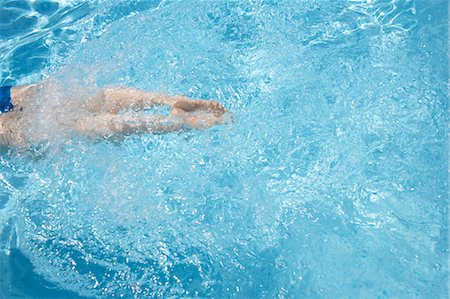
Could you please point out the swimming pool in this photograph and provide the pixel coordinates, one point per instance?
(332, 182)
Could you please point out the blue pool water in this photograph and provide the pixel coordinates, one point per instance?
(332, 182)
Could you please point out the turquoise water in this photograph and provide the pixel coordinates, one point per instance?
(332, 182)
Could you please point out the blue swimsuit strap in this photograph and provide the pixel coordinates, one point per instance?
(5, 99)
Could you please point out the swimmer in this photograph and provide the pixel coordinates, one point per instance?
(107, 113)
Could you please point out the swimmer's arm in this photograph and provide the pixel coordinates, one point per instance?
(117, 98)
(109, 125)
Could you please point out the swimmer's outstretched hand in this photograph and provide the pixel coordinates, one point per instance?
(199, 114)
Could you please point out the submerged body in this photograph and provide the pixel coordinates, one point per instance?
(105, 113)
